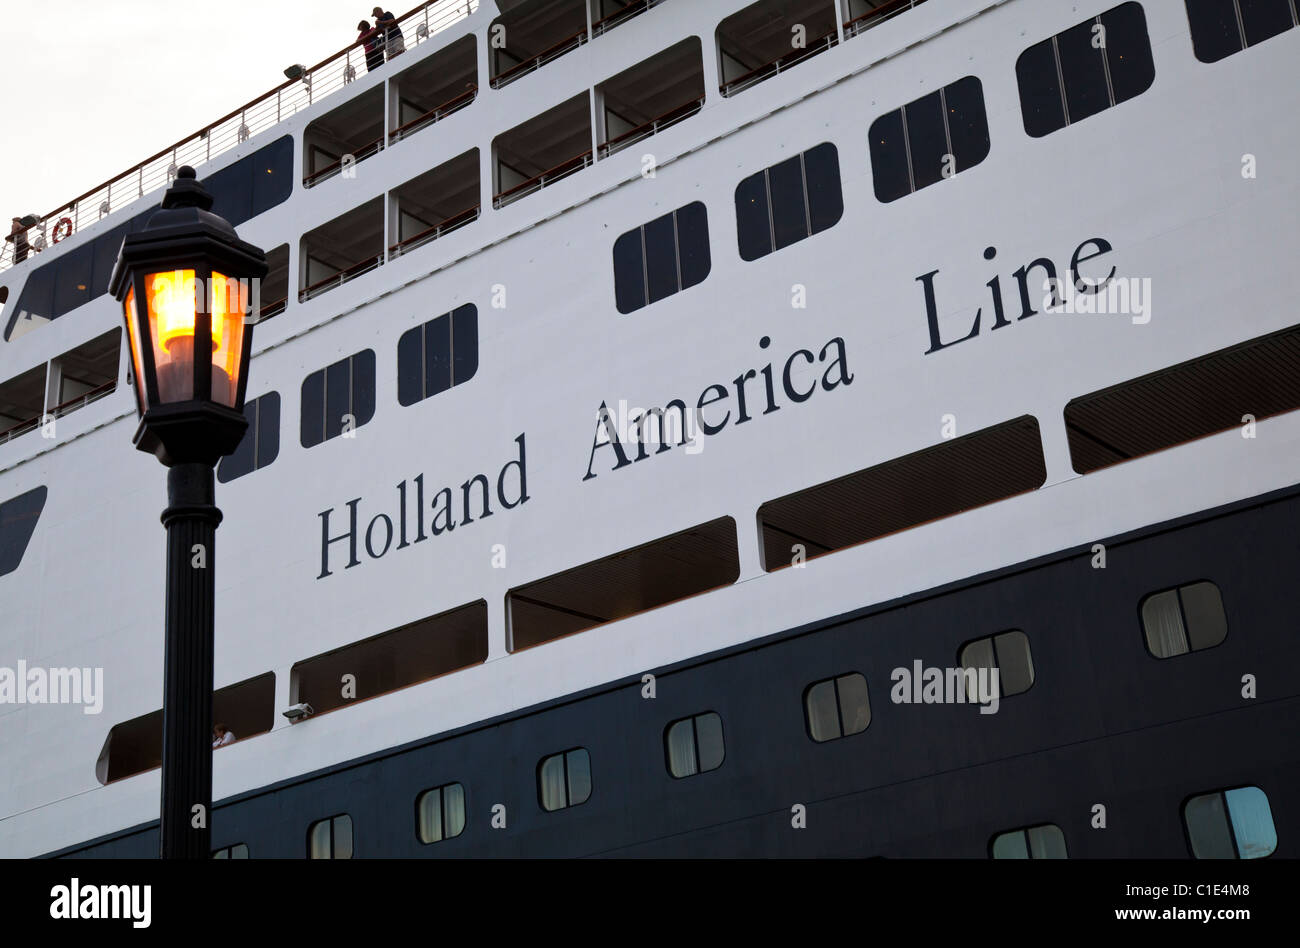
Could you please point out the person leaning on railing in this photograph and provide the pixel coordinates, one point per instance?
(393, 33)
(18, 236)
(371, 40)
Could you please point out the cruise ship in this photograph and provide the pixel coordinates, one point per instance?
(699, 428)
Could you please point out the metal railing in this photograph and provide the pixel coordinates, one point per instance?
(539, 181)
(58, 411)
(316, 82)
(342, 276)
(652, 127)
(435, 114)
(540, 59)
(775, 66)
(443, 227)
(881, 13)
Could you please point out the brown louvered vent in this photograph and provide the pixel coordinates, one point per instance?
(1184, 402)
(654, 574)
(958, 475)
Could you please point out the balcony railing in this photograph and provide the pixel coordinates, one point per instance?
(440, 229)
(341, 277)
(652, 127)
(541, 59)
(537, 182)
(874, 17)
(776, 66)
(334, 167)
(326, 77)
(58, 411)
(435, 114)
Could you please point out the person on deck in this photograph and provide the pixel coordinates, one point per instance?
(373, 42)
(18, 235)
(393, 33)
(222, 735)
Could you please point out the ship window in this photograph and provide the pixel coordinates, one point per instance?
(398, 658)
(1223, 27)
(274, 290)
(253, 184)
(1103, 61)
(564, 780)
(440, 813)
(789, 201)
(261, 442)
(694, 745)
(246, 708)
(1034, 842)
(651, 96)
(237, 851)
(436, 203)
(1230, 389)
(931, 138)
(945, 479)
(18, 516)
(1230, 824)
(663, 257)
(437, 355)
(338, 399)
(645, 577)
(837, 707)
(769, 37)
(1009, 653)
(1186, 619)
(330, 838)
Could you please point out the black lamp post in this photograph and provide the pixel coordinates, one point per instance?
(185, 277)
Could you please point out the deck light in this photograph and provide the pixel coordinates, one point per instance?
(186, 283)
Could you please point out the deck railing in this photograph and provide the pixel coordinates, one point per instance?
(775, 66)
(58, 411)
(443, 227)
(652, 127)
(539, 181)
(866, 21)
(316, 82)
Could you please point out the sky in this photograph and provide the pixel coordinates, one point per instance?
(96, 86)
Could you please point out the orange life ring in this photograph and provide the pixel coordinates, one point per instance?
(62, 229)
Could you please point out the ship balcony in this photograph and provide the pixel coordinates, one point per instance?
(542, 150)
(73, 380)
(531, 33)
(428, 92)
(862, 15)
(275, 285)
(338, 140)
(651, 96)
(770, 37)
(435, 204)
(342, 250)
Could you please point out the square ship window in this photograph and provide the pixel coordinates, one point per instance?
(929, 139)
(663, 257)
(1185, 619)
(837, 707)
(1230, 824)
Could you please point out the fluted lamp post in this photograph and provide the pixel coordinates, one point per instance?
(185, 277)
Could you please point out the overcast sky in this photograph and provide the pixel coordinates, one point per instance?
(93, 87)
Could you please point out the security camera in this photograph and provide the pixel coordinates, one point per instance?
(297, 712)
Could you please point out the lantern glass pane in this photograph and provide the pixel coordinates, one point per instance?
(229, 298)
(171, 324)
(133, 337)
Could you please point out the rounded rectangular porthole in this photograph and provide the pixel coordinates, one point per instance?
(440, 813)
(1007, 652)
(694, 745)
(1230, 824)
(564, 780)
(1184, 619)
(1033, 842)
(330, 838)
(837, 707)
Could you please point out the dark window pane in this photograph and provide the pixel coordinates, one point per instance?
(318, 840)
(822, 176)
(430, 816)
(968, 125)
(693, 243)
(1040, 90)
(1207, 827)
(1206, 624)
(579, 776)
(1265, 18)
(232, 191)
(823, 712)
(789, 212)
(37, 297)
(1215, 33)
(1011, 846)
(1046, 842)
(437, 356)
(855, 708)
(453, 808)
(629, 274)
(1015, 662)
(240, 461)
(1084, 72)
(464, 343)
(18, 518)
(312, 425)
(927, 139)
(1162, 623)
(708, 738)
(105, 253)
(550, 780)
(343, 837)
(976, 655)
(889, 157)
(410, 366)
(272, 174)
(661, 258)
(1128, 51)
(268, 428)
(752, 221)
(72, 288)
(363, 386)
(681, 748)
(338, 398)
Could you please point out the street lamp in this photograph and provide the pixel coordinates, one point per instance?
(185, 277)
